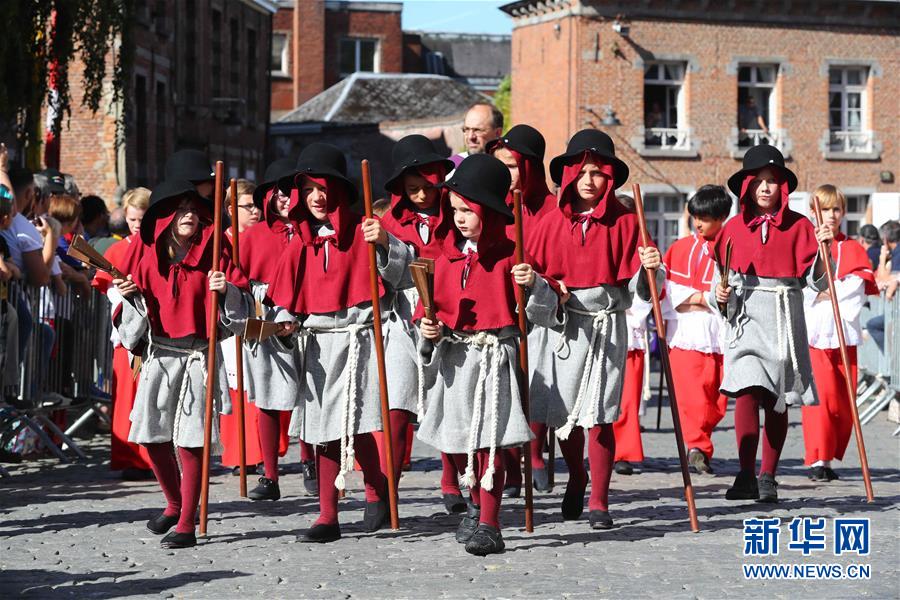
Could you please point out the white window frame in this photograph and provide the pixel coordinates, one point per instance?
(658, 217)
(843, 138)
(357, 44)
(284, 71)
(757, 135)
(858, 217)
(675, 136)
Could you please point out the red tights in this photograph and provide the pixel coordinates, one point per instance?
(746, 429)
(182, 492)
(328, 465)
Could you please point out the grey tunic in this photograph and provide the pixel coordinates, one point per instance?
(171, 394)
(400, 339)
(272, 368)
(339, 393)
(577, 358)
(765, 337)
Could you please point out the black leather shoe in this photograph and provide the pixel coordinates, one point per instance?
(454, 503)
(623, 467)
(768, 489)
(375, 516)
(179, 540)
(541, 480)
(600, 519)
(322, 534)
(310, 479)
(266, 490)
(512, 491)
(162, 523)
(486, 540)
(468, 524)
(830, 475)
(745, 487)
(132, 474)
(818, 474)
(573, 502)
(259, 469)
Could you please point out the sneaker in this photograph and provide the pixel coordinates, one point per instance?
(177, 540)
(745, 487)
(375, 516)
(512, 491)
(468, 524)
(162, 523)
(768, 489)
(322, 534)
(541, 480)
(486, 540)
(267, 489)
(310, 480)
(699, 462)
(454, 503)
(623, 467)
(830, 475)
(818, 474)
(600, 519)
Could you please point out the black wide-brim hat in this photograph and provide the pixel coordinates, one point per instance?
(524, 139)
(413, 151)
(485, 180)
(161, 198)
(595, 142)
(189, 165)
(283, 167)
(757, 158)
(319, 160)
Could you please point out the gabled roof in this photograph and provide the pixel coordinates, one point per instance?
(469, 56)
(379, 97)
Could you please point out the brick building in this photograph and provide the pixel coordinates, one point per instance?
(199, 79)
(333, 39)
(671, 82)
(323, 41)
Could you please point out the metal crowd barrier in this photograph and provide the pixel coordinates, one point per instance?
(879, 369)
(60, 359)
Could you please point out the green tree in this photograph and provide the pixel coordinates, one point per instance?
(43, 34)
(502, 99)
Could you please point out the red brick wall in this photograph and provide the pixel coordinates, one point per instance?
(540, 83)
(383, 26)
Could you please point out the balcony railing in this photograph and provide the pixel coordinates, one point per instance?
(757, 137)
(852, 141)
(667, 138)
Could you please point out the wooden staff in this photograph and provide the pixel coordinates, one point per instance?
(239, 350)
(664, 359)
(523, 363)
(212, 301)
(387, 446)
(845, 360)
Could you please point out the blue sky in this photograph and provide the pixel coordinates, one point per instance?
(459, 16)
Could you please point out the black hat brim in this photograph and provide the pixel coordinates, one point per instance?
(520, 148)
(289, 182)
(421, 161)
(497, 205)
(259, 194)
(620, 169)
(737, 180)
(159, 204)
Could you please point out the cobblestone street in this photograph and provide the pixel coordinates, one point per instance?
(76, 531)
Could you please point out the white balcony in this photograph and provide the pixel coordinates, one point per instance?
(674, 142)
(851, 145)
(742, 140)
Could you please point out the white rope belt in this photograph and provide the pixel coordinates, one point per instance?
(348, 414)
(590, 378)
(489, 345)
(787, 349)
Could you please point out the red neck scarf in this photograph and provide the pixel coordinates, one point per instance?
(790, 243)
(488, 299)
(689, 262)
(606, 254)
(402, 220)
(176, 294)
(301, 283)
(263, 244)
(850, 258)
